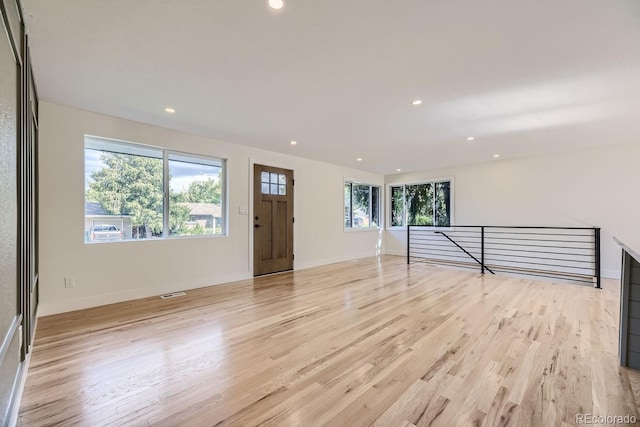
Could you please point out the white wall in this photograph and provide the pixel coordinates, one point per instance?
(107, 273)
(591, 187)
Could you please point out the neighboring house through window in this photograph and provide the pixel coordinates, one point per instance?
(134, 191)
(361, 205)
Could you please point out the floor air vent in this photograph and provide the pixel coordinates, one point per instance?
(172, 295)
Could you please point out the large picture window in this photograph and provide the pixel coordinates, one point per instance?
(361, 205)
(137, 192)
(426, 203)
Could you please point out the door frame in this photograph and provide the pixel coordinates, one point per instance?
(275, 164)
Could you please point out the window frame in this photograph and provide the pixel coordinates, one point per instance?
(165, 157)
(165, 193)
(433, 181)
(347, 181)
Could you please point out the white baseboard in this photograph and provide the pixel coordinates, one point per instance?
(47, 309)
(24, 369)
(326, 261)
(14, 410)
(396, 253)
(611, 274)
(15, 407)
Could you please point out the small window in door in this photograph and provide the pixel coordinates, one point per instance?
(274, 183)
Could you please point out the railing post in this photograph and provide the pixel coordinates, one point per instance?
(408, 245)
(482, 249)
(596, 231)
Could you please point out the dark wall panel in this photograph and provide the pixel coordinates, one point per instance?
(634, 308)
(634, 276)
(8, 185)
(629, 344)
(10, 333)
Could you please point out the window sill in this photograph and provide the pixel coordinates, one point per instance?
(361, 229)
(423, 227)
(156, 239)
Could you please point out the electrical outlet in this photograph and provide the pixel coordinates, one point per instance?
(69, 282)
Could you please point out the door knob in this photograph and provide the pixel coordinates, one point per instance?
(256, 226)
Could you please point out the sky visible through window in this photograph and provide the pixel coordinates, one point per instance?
(182, 174)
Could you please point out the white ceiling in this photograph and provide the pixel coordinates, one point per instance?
(522, 76)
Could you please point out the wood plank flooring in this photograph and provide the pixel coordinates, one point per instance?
(368, 342)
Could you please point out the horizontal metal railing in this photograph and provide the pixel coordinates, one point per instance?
(565, 253)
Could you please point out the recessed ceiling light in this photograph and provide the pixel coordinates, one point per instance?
(276, 4)
(359, 159)
(293, 142)
(471, 138)
(495, 156)
(416, 102)
(169, 110)
(398, 170)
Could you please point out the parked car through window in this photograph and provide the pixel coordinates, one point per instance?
(105, 233)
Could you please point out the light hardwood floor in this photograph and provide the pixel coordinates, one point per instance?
(356, 343)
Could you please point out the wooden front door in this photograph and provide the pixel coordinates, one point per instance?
(272, 220)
